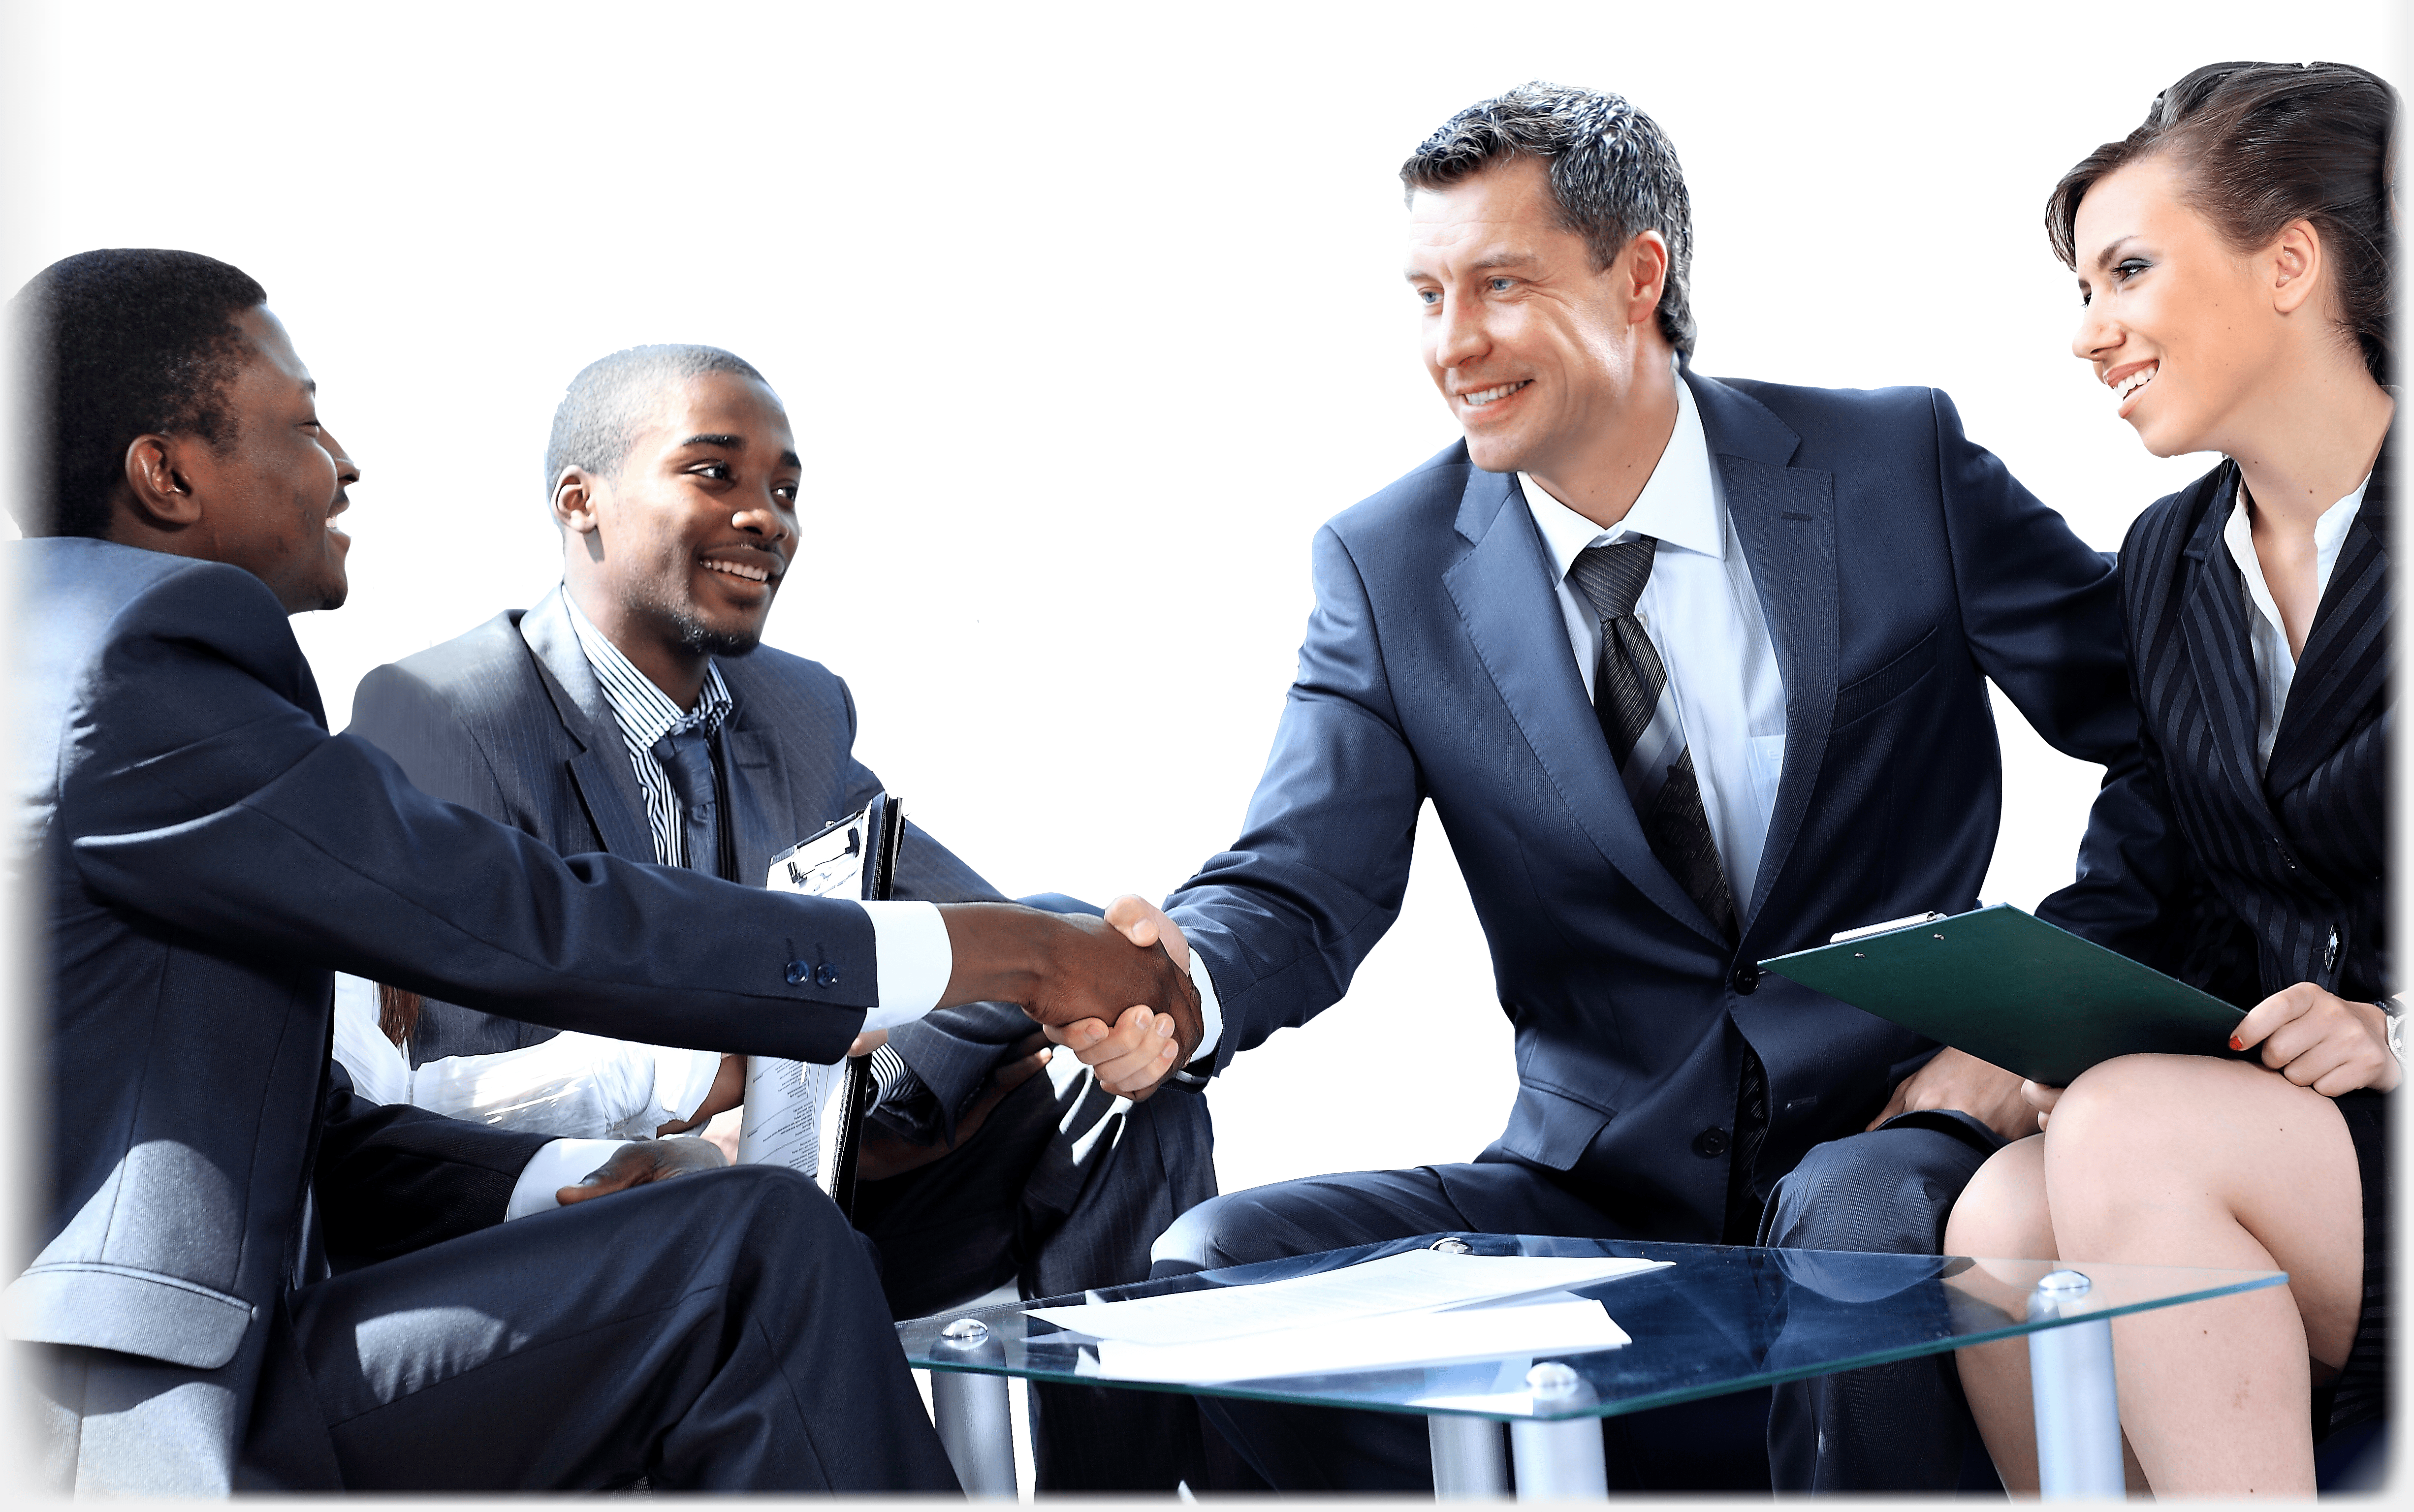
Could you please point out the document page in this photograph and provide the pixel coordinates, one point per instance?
(1568, 1327)
(1418, 1281)
(790, 1103)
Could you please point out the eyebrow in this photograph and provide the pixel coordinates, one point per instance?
(1483, 265)
(737, 441)
(2112, 246)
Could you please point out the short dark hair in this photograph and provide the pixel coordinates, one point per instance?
(112, 344)
(1614, 174)
(2258, 146)
(611, 398)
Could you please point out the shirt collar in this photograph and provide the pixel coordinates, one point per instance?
(645, 713)
(1679, 504)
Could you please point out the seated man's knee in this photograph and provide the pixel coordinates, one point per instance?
(1194, 1242)
(1886, 1191)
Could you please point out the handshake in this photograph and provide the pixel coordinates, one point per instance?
(1116, 991)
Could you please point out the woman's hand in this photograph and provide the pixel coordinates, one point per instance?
(2042, 1098)
(2321, 1041)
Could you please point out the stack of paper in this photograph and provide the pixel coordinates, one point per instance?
(1423, 1307)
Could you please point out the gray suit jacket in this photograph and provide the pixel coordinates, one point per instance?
(206, 855)
(509, 719)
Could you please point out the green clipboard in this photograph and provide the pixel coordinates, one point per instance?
(2012, 989)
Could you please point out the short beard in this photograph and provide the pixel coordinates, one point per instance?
(696, 635)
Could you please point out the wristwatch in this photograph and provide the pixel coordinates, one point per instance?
(2393, 1009)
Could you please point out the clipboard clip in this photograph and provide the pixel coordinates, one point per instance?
(1866, 930)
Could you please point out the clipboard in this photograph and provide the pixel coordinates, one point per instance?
(2014, 990)
(807, 1116)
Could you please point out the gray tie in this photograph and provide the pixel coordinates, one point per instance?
(686, 756)
(1629, 696)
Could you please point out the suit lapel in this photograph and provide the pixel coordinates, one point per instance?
(763, 821)
(1784, 519)
(1505, 594)
(2212, 622)
(2347, 658)
(600, 769)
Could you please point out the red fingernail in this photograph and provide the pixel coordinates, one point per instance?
(2236, 1044)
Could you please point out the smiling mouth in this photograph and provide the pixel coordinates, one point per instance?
(2135, 381)
(739, 570)
(1485, 396)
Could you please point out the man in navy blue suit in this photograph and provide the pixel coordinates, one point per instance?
(1694, 673)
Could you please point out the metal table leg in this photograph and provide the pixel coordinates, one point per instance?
(1561, 1458)
(1470, 1459)
(2071, 1387)
(972, 1415)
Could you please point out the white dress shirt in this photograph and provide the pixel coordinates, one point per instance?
(2274, 668)
(1703, 616)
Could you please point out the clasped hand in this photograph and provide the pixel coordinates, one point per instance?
(1133, 1055)
(2314, 1038)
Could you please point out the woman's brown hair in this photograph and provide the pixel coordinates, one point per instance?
(2261, 144)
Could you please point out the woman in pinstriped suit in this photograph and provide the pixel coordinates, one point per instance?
(2234, 254)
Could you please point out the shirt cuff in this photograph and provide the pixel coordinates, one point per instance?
(910, 940)
(554, 1167)
(1210, 1012)
(682, 1080)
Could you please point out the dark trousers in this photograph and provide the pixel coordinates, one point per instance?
(1059, 1192)
(1903, 1426)
(1703, 1445)
(721, 1331)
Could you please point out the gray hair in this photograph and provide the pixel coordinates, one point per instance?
(612, 399)
(1613, 172)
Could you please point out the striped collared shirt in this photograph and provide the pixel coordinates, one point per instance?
(646, 714)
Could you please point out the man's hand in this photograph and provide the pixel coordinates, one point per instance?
(1064, 968)
(634, 1164)
(884, 1154)
(2321, 1041)
(1137, 1053)
(1956, 1080)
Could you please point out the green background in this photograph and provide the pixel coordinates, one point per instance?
(1087, 315)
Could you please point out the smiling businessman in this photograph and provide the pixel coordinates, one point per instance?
(1694, 672)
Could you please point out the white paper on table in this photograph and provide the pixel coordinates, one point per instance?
(1571, 1328)
(1415, 1280)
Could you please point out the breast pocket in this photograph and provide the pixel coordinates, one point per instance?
(1864, 696)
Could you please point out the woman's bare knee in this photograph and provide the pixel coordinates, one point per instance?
(2002, 1213)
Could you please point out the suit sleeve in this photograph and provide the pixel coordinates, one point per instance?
(390, 1179)
(2041, 611)
(214, 803)
(1283, 917)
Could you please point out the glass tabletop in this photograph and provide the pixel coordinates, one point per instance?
(1714, 1319)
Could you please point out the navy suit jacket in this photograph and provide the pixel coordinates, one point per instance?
(207, 854)
(1899, 566)
(509, 720)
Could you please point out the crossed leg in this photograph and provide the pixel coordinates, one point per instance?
(2184, 1160)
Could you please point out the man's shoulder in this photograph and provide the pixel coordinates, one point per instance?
(791, 682)
(1817, 415)
(89, 596)
(481, 676)
(1426, 496)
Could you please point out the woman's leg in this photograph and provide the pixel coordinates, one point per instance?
(2191, 1160)
(2001, 1215)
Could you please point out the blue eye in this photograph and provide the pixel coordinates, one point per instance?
(1501, 286)
(1428, 296)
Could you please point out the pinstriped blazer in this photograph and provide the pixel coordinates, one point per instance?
(2275, 878)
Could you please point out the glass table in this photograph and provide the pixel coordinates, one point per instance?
(1714, 1319)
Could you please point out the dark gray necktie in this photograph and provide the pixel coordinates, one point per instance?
(1629, 695)
(686, 756)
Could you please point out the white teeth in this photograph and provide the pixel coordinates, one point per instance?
(2135, 381)
(752, 575)
(1486, 397)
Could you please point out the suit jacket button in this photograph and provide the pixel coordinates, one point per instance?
(797, 973)
(1747, 980)
(825, 975)
(1710, 1144)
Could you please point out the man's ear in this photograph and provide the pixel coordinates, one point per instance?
(578, 497)
(2296, 266)
(1646, 273)
(160, 486)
